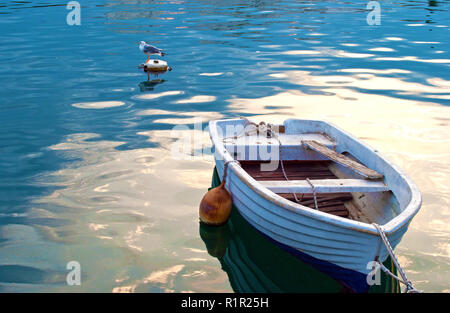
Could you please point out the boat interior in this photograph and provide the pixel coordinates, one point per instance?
(316, 175)
(332, 203)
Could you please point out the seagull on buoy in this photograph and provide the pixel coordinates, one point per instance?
(149, 50)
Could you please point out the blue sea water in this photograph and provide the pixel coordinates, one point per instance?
(86, 170)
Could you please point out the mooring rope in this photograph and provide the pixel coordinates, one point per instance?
(243, 131)
(274, 135)
(314, 192)
(403, 279)
(225, 168)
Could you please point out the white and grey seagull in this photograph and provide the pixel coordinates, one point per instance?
(149, 50)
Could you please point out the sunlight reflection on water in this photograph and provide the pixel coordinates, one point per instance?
(87, 171)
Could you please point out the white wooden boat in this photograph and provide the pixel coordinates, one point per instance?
(337, 188)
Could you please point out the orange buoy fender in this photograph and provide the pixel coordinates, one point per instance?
(215, 207)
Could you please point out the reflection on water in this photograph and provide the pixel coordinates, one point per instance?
(254, 264)
(149, 85)
(86, 171)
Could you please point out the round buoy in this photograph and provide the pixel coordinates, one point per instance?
(215, 207)
(156, 66)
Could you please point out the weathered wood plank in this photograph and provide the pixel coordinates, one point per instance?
(342, 159)
(324, 186)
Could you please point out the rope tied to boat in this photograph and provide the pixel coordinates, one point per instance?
(403, 279)
(272, 134)
(244, 131)
(225, 168)
(314, 192)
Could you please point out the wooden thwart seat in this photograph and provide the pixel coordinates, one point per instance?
(324, 186)
(342, 159)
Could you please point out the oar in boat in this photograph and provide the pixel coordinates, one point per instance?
(343, 160)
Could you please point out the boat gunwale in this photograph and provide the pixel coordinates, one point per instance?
(391, 227)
